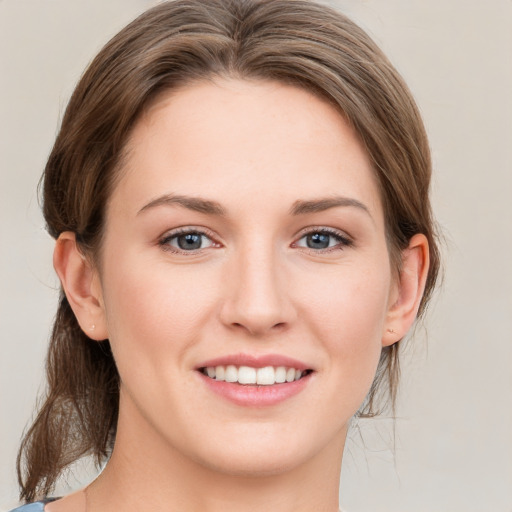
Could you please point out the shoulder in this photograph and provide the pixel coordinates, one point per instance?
(37, 506)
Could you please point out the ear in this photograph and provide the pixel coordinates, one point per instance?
(408, 290)
(81, 285)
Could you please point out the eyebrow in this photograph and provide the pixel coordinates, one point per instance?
(196, 204)
(322, 204)
(209, 207)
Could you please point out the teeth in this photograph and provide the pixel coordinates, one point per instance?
(220, 373)
(231, 373)
(266, 376)
(246, 375)
(280, 374)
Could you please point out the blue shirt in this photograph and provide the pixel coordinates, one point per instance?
(38, 506)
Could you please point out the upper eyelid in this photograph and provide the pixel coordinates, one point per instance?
(206, 231)
(323, 229)
(187, 229)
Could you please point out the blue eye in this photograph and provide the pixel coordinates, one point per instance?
(323, 239)
(186, 241)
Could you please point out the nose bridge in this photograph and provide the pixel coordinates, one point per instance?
(257, 298)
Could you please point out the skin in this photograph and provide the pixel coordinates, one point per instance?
(255, 148)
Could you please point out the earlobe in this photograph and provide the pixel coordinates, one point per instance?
(409, 290)
(81, 285)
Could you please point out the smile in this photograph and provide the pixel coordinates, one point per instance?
(247, 375)
(256, 381)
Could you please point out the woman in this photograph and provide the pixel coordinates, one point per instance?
(239, 194)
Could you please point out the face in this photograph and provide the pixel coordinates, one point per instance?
(245, 277)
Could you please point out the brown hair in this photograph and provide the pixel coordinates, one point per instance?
(293, 41)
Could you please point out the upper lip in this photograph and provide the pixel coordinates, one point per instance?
(253, 361)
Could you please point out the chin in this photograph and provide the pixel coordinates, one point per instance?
(265, 452)
(245, 465)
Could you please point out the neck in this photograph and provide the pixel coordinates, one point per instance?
(146, 473)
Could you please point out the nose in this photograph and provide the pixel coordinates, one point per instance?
(257, 298)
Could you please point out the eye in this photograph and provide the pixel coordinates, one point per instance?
(186, 241)
(323, 239)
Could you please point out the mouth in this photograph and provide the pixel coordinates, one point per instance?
(252, 376)
(256, 380)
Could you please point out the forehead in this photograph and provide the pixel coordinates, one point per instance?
(242, 140)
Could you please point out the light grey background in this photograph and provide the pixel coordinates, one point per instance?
(453, 445)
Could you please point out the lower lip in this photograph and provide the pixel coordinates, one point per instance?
(256, 396)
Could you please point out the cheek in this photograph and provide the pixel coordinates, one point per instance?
(152, 310)
(351, 307)
(349, 318)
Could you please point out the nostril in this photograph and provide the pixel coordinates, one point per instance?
(259, 330)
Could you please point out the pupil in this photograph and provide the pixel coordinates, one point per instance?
(189, 241)
(318, 241)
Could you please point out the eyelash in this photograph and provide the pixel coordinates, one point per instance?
(342, 240)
